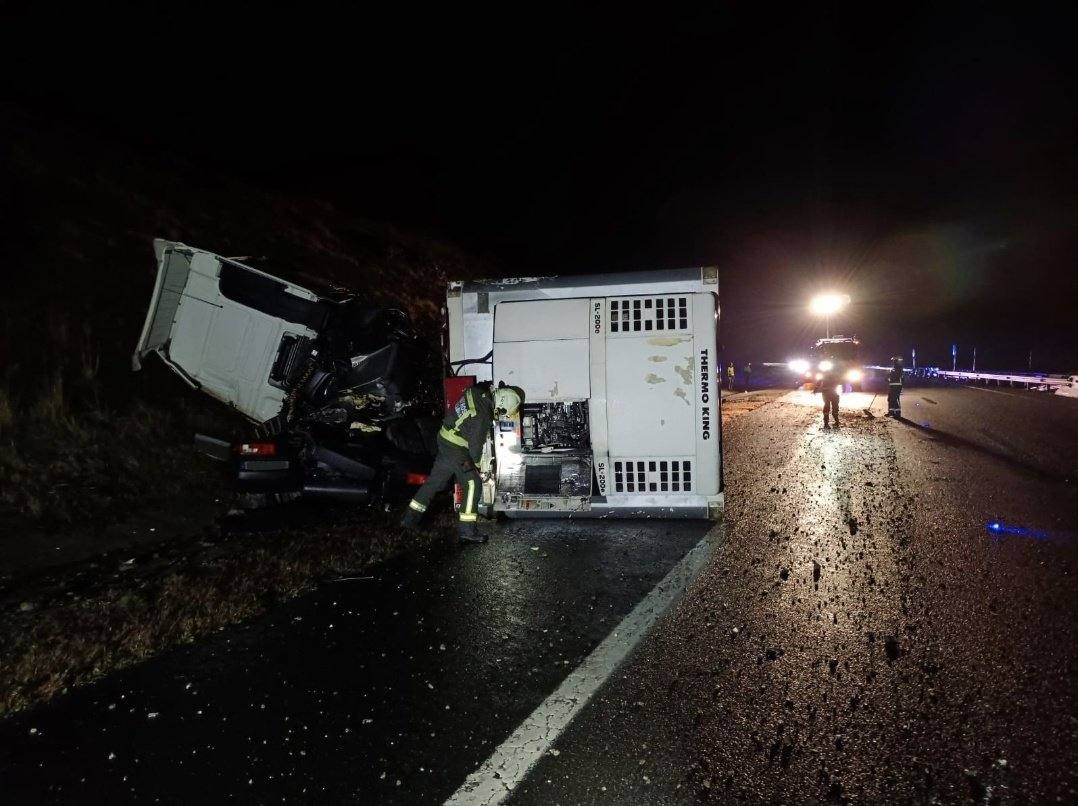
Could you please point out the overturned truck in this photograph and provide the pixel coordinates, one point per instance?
(619, 373)
(331, 387)
(621, 413)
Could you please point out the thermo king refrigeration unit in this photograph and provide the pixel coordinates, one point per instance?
(621, 391)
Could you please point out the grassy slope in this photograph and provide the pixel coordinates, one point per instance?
(81, 437)
(85, 443)
(128, 612)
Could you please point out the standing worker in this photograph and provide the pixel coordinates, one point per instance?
(828, 384)
(730, 372)
(464, 431)
(894, 388)
(748, 376)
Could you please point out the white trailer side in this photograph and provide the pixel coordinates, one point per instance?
(621, 382)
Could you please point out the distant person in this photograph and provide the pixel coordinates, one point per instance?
(730, 373)
(829, 385)
(748, 376)
(465, 430)
(894, 388)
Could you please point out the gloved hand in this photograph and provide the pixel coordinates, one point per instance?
(468, 464)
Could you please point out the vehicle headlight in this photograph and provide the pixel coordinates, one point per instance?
(825, 365)
(853, 375)
(799, 365)
(819, 376)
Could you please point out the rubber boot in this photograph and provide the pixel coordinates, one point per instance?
(411, 519)
(469, 533)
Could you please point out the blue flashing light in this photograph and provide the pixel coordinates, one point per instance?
(1000, 528)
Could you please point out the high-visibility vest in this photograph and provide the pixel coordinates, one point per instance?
(460, 418)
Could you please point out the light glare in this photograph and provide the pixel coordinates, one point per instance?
(828, 304)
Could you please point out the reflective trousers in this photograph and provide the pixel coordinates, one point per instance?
(451, 462)
(894, 395)
(830, 403)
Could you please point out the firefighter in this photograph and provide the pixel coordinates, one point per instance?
(460, 447)
(828, 384)
(730, 372)
(894, 388)
(748, 377)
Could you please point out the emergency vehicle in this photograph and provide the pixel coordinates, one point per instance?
(840, 354)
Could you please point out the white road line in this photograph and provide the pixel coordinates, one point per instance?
(510, 762)
(993, 391)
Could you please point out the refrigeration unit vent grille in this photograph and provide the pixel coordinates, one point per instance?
(652, 475)
(649, 314)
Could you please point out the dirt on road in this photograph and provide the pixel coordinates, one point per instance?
(858, 636)
(888, 616)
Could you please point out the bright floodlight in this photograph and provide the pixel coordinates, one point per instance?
(828, 304)
(799, 365)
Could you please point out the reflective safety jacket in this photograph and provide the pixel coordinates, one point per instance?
(467, 425)
(831, 379)
(895, 378)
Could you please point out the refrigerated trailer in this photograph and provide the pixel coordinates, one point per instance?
(621, 413)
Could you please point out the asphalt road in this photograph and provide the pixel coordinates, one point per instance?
(861, 632)
(390, 688)
(1033, 430)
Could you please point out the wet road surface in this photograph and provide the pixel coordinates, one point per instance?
(1034, 429)
(860, 633)
(390, 688)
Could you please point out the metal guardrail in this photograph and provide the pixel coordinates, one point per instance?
(1063, 385)
(1060, 384)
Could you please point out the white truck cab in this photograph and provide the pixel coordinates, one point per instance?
(228, 329)
(621, 413)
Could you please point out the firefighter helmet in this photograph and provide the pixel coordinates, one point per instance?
(506, 401)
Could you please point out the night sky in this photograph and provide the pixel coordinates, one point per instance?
(924, 161)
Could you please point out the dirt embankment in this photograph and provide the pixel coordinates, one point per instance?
(74, 625)
(81, 215)
(95, 458)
